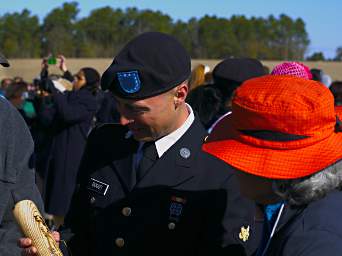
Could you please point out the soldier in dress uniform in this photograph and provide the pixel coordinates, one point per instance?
(145, 186)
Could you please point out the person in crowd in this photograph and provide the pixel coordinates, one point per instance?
(14, 93)
(16, 172)
(227, 76)
(285, 144)
(199, 76)
(106, 110)
(292, 68)
(266, 69)
(4, 84)
(146, 186)
(230, 73)
(17, 94)
(336, 90)
(69, 116)
(18, 79)
(316, 74)
(206, 101)
(320, 76)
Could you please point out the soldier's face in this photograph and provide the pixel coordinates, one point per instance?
(151, 118)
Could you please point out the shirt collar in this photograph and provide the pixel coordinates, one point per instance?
(164, 143)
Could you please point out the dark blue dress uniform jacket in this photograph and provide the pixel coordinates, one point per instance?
(182, 206)
(70, 115)
(314, 230)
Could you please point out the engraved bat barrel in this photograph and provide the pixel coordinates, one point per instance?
(33, 226)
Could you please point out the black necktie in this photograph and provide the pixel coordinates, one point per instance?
(149, 156)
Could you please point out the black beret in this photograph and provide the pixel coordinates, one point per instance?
(3, 61)
(238, 69)
(150, 64)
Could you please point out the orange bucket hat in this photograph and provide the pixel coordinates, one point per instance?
(281, 127)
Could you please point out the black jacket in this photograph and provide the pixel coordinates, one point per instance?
(183, 206)
(313, 230)
(70, 117)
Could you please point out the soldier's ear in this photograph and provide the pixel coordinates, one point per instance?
(181, 92)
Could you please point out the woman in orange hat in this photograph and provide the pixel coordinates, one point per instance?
(285, 141)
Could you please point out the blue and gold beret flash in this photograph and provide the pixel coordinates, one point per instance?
(150, 64)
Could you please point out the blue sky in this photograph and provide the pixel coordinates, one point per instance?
(322, 18)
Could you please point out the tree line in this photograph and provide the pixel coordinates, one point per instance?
(106, 30)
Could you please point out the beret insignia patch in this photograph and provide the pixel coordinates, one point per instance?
(129, 81)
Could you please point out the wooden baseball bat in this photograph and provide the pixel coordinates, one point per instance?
(33, 226)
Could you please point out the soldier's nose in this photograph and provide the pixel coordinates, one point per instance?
(125, 121)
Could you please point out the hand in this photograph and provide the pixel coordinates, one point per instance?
(28, 249)
(45, 64)
(62, 63)
(42, 93)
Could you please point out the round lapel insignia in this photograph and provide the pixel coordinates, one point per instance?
(185, 153)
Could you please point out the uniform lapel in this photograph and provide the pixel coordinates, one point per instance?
(124, 166)
(174, 167)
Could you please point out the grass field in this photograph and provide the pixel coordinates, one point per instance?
(30, 68)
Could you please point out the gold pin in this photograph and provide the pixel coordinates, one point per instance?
(244, 233)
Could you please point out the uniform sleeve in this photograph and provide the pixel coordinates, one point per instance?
(73, 112)
(17, 176)
(314, 243)
(240, 236)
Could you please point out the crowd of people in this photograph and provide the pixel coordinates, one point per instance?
(154, 158)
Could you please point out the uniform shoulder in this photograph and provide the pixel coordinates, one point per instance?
(107, 133)
(105, 143)
(216, 166)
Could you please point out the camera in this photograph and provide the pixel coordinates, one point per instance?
(52, 60)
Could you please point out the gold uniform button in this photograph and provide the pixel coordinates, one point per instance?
(92, 200)
(126, 211)
(171, 226)
(120, 242)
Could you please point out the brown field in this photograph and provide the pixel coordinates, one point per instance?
(30, 68)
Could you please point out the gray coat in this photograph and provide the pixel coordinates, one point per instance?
(17, 179)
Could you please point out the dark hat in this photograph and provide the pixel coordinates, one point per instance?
(238, 70)
(4, 61)
(150, 64)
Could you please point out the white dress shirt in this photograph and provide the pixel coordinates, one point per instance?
(166, 142)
